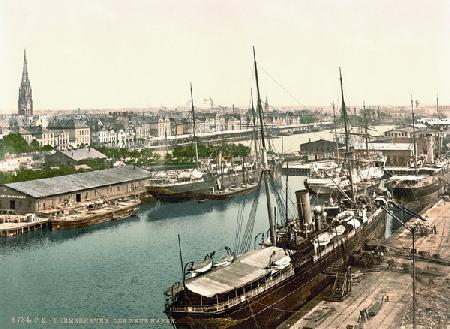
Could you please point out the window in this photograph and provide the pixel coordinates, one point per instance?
(12, 204)
(78, 197)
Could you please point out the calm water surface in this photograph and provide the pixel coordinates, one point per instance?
(119, 269)
(292, 143)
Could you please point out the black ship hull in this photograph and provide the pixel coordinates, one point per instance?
(270, 308)
(415, 193)
(181, 192)
(196, 190)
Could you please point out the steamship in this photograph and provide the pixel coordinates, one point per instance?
(261, 288)
(412, 188)
(199, 186)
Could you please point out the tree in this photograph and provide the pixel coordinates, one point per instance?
(47, 148)
(34, 145)
(14, 143)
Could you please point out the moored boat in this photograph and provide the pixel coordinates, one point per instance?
(230, 192)
(412, 187)
(260, 288)
(94, 214)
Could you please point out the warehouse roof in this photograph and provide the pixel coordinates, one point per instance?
(39, 188)
(385, 146)
(83, 154)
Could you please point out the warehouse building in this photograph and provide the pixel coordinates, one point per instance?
(64, 192)
(397, 154)
(73, 157)
(320, 149)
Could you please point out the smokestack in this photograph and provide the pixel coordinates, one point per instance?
(303, 207)
(317, 215)
(430, 148)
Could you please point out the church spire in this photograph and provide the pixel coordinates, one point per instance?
(25, 69)
(25, 104)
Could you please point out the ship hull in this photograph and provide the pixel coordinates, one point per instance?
(181, 192)
(197, 190)
(93, 218)
(271, 308)
(415, 193)
(230, 194)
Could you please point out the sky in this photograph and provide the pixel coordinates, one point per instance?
(99, 54)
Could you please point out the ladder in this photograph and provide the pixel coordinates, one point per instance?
(342, 286)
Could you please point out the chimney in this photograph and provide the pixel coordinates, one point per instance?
(317, 215)
(303, 207)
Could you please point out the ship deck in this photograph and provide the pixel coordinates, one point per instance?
(385, 294)
(245, 269)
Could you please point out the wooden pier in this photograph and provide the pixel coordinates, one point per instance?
(13, 229)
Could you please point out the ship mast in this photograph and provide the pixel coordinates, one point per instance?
(365, 128)
(265, 169)
(255, 131)
(439, 131)
(335, 132)
(437, 105)
(347, 149)
(193, 128)
(414, 136)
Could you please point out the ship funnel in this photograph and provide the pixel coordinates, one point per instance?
(303, 207)
(430, 148)
(318, 211)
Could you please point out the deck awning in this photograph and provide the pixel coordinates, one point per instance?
(407, 178)
(247, 268)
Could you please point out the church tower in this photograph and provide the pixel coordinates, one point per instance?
(25, 94)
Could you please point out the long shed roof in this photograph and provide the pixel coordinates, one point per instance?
(39, 188)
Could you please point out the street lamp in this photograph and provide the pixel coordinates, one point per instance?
(413, 232)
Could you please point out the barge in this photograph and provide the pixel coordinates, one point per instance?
(94, 214)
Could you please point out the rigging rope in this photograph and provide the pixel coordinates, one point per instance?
(246, 239)
(239, 221)
(279, 85)
(277, 187)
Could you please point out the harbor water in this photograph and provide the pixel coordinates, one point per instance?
(113, 275)
(288, 144)
(115, 271)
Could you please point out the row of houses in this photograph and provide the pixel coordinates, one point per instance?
(131, 128)
(122, 129)
(60, 135)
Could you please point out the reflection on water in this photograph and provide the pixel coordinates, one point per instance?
(116, 269)
(162, 210)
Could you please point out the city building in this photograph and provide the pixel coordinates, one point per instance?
(320, 149)
(25, 103)
(397, 154)
(403, 135)
(79, 133)
(42, 135)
